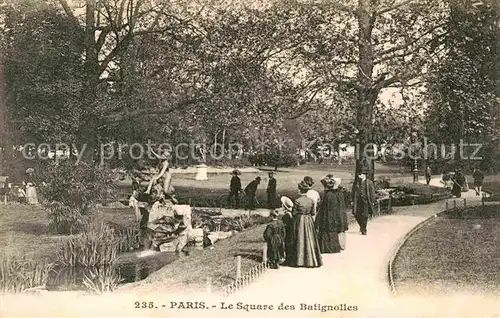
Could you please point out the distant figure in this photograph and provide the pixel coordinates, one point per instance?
(288, 221)
(305, 251)
(250, 191)
(478, 180)
(312, 194)
(428, 175)
(234, 189)
(363, 199)
(31, 194)
(331, 221)
(458, 183)
(271, 191)
(274, 235)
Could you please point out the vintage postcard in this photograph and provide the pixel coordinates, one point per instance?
(249, 158)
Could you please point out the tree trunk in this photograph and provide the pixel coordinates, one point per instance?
(88, 135)
(3, 120)
(215, 144)
(224, 142)
(366, 95)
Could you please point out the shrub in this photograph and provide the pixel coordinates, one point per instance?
(102, 279)
(98, 246)
(72, 193)
(18, 275)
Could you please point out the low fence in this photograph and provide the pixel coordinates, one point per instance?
(246, 279)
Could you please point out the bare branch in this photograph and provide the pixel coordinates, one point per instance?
(68, 11)
(393, 7)
(407, 45)
(126, 115)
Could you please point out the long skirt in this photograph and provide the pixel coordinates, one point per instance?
(306, 247)
(31, 196)
(329, 242)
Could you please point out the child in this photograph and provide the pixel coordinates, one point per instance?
(275, 237)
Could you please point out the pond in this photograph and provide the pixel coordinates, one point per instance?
(131, 267)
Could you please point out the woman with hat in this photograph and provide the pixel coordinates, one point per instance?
(331, 221)
(306, 251)
(312, 194)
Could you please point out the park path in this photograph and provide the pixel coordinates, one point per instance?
(356, 277)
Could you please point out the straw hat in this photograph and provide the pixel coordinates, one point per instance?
(330, 182)
(286, 203)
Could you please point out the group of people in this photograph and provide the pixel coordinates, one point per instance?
(25, 192)
(250, 191)
(313, 225)
(458, 183)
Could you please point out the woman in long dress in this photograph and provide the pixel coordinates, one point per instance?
(331, 221)
(306, 251)
(31, 194)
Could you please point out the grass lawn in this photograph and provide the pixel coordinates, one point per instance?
(451, 255)
(209, 192)
(23, 230)
(492, 184)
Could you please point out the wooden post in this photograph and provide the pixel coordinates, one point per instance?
(264, 254)
(454, 204)
(465, 203)
(238, 267)
(446, 206)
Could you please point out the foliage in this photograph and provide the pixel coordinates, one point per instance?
(72, 193)
(20, 274)
(102, 279)
(41, 45)
(98, 246)
(465, 109)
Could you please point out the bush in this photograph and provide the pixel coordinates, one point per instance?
(99, 246)
(18, 275)
(72, 193)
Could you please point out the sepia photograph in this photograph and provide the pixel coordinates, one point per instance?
(249, 158)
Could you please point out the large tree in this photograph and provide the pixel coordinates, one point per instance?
(464, 86)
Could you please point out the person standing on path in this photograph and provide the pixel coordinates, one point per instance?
(458, 183)
(428, 175)
(234, 189)
(306, 251)
(271, 191)
(332, 217)
(478, 181)
(250, 192)
(274, 235)
(363, 200)
(288, 221)
(312, 194)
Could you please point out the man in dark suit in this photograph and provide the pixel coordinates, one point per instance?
(250, 191)
(363, 200)
(271, 191)
(234, 189)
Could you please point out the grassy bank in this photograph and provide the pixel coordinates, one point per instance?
(451, 255)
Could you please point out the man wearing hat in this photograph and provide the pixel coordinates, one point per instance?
(271, 191)
(363, 193)
(250, 191)
(234, 189)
